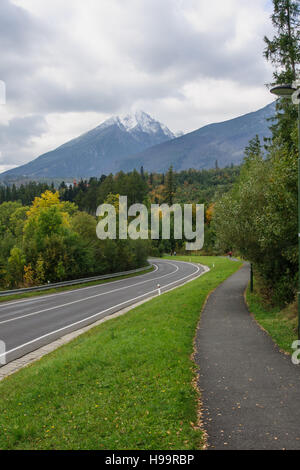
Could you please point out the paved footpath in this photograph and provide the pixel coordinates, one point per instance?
(250, 390)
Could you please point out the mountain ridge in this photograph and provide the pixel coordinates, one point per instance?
(97, 151)
(135, 140)
(223, 142)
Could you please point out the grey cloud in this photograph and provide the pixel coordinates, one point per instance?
(165, 42)
(24, 48)
(47, 70)
(15, 138)
(19, 30)
(154, 36)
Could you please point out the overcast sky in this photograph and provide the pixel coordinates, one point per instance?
(69, 65)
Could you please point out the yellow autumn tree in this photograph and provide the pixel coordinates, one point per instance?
(28, 276)
(114, 200)
(209, 213)
(46, 200)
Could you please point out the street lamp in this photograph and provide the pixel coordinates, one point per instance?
(293, 91)
(283, 91)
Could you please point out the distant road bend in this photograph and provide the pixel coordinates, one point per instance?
(26, 325)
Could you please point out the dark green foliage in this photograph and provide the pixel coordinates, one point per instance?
(283, 51)
(25, 193)
(258, 217)
(53, 241)
(170, 188)
(88, 195)
(56, 251)
(204, 186)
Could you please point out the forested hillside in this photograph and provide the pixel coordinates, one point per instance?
(49, 234)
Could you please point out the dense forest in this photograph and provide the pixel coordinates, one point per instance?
(191, 186)
(49, 234)
(51, 240)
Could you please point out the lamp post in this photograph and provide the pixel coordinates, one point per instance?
(293, 91)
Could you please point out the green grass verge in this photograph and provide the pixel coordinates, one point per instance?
(280, 324)
(27, 295)
(126, 384)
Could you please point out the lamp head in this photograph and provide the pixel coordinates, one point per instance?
(283, 90)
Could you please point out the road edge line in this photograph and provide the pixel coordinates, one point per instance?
(36, 355)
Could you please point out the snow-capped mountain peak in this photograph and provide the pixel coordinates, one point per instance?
(141, 120)
(138, 121)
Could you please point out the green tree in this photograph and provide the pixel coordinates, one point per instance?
(283, 51)
(6, 211)
(170, 188)
(15, 268)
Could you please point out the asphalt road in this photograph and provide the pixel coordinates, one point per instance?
(26, 325)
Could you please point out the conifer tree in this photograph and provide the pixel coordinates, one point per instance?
(283, 51)
(170, 186)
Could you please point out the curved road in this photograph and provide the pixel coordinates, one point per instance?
(26, 325)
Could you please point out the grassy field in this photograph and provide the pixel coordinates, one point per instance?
(280, 324)
(126, 384)
(7, 298)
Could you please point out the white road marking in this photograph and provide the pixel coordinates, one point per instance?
(26, 315)
(95, 315)
(45, 297)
